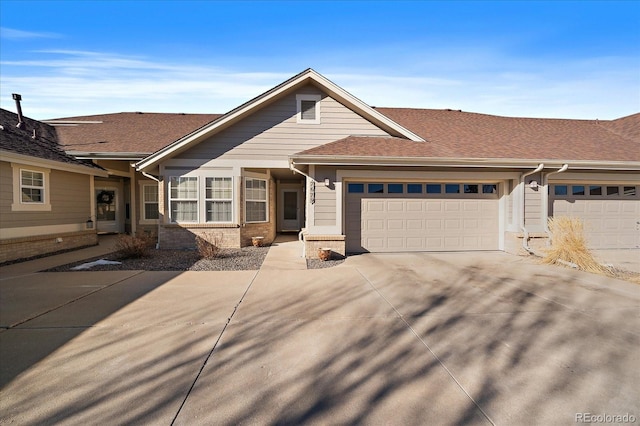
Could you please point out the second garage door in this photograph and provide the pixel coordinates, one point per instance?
(611, 213)
(396, 217)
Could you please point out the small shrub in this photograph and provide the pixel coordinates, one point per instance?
(209, 245)
(568, 244)
(129, 246)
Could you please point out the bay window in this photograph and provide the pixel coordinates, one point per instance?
(183, 199)
(219, 199)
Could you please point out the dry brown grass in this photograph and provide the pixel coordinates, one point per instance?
(209, 245)
(131, 247)
(568, 244)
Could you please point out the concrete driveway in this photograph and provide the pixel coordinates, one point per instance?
(406, 339)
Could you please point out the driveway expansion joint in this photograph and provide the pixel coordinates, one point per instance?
(215, 345)
(460, 386)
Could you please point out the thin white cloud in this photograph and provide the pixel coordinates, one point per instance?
(13, 34)
(75, 82)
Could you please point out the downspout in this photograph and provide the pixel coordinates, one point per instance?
(545, 182)
(145, 174)
(525, 236)
(303, 230)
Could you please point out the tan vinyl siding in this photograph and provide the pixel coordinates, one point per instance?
(69, 199)
(6, 191)
(123, 166)
(273, 133)
(533, 209)
(325, 200)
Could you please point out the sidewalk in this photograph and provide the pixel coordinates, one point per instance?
(285, 253)
(106, 245)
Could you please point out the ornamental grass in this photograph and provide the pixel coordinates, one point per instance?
(569, 245)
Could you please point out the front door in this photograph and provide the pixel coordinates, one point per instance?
(290, 210)
(107, 210)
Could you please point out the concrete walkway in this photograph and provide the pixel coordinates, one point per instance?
(285, 254)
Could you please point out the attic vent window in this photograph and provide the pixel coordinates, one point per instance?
(308, 109)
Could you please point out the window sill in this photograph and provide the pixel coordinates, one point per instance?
(30, 207)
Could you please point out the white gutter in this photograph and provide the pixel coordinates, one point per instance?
(150, 176)
(525, 237)
(545, 196)
(293, 168)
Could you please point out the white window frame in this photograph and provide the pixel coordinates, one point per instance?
(143, 202)
(20, 205)
(305, 97)
(247, 200)
(214, 199)
(196, 199)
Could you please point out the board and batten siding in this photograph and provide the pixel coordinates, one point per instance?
(69, 198)
(273, 133)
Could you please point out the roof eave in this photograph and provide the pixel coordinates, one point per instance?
(128, 156)
(52, 164)
(337, 160)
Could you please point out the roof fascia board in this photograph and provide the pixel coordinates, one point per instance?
(51, 164)
(244, 109)
(466, 162)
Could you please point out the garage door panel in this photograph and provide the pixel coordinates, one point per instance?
(415, 206)
(452, 224)
(395, 206)
(415, 225)
(395, 224)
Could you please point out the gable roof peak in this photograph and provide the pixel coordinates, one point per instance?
(286, 87)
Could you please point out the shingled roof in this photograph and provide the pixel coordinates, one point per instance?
(456, 134)
(44, 145)
(134, 133)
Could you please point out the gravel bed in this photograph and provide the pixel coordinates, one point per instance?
(246, 258)
(321, 264)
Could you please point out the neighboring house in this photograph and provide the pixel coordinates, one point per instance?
(115, 142)
(46, 196)
(307, 155)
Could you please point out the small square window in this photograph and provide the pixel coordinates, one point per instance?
(434, 188)
(395, 188)
(595, 190)
(577, 190)
(629, 191)
(356, 188)
(452, 188)
(560, 190)
(308, 109)
(375, 188)
(414, 188)
(613, 190)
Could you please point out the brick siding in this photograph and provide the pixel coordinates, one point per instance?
(30, 247)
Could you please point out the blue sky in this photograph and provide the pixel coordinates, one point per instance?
(536, 59)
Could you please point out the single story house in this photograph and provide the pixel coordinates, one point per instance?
(307, 156)
(115, 142)
(46, 196)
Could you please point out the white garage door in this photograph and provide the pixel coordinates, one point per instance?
(396, 217)
(611, 213)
